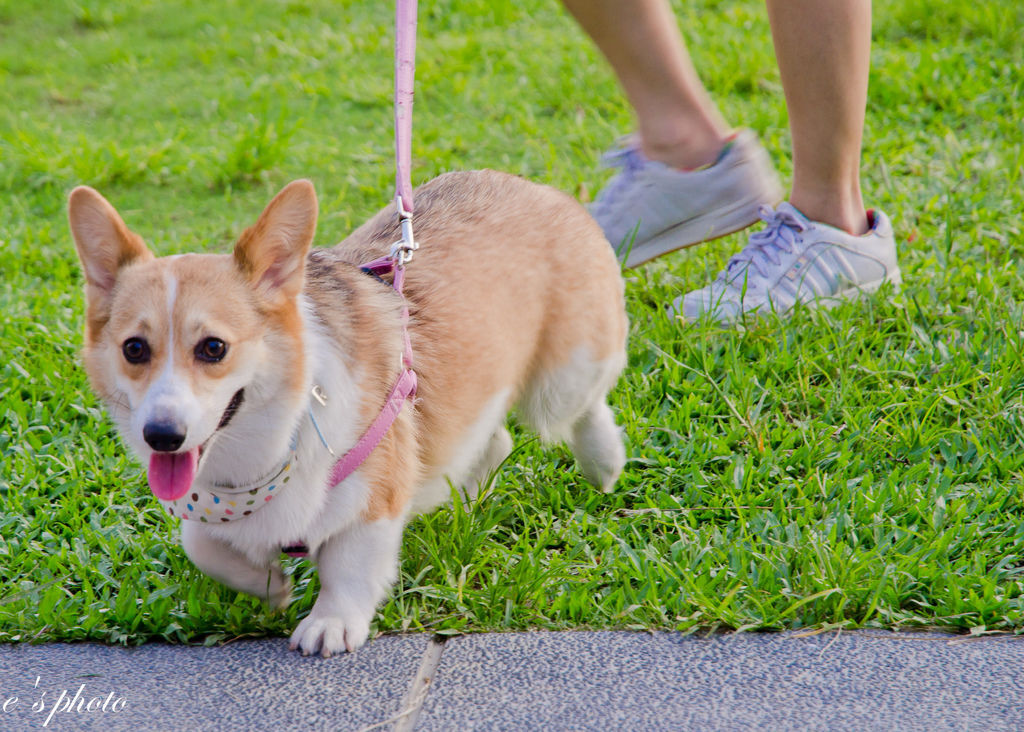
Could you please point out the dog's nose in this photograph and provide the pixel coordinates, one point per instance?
(163, 436)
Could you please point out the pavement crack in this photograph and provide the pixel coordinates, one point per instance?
(406, 719)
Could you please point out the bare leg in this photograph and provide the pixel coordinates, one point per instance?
(677, 121)
(823, 49)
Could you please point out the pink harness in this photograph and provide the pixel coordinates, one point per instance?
(404, 389)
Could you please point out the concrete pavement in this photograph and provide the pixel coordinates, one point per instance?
(548, 681)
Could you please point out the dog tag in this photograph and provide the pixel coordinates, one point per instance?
(319, 394)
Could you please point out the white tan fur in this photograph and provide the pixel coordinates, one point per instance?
(516, 302)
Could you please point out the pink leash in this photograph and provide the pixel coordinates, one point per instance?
(404, 389)
(405, 67)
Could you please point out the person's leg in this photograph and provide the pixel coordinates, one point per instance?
(821, 247)
(823, 50)
(677, 122)
(685, 177)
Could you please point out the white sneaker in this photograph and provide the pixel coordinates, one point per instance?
(650, 209)
(797, 260)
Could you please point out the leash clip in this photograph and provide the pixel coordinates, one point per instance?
(402, 250)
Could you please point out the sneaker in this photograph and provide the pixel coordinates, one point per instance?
(649, 209)
(797, 260)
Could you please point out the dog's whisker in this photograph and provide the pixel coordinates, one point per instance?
(118, 399)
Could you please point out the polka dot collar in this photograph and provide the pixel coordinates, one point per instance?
(229, 503)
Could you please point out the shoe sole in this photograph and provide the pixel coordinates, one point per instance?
(706, 227)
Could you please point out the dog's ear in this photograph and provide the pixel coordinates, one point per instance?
(271, 254)
(104, 243)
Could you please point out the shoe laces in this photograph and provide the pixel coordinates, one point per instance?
(780, 236)
(631, 161)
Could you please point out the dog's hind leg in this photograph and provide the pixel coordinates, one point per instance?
(597, 445)
(569, 403)
(229, 566)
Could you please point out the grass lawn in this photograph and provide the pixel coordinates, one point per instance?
(860, 467)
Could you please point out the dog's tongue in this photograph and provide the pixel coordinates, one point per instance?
(171, 473)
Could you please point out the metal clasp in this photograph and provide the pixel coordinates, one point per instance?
(401, 251)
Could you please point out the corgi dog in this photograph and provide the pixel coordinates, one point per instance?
(240, 379)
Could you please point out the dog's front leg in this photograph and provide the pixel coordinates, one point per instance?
(357, 568)
(228, 565)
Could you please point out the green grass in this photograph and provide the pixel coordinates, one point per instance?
(854, 468)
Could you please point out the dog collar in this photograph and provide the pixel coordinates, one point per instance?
(222, 504)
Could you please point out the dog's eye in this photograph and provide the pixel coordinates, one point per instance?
(135, 350)
(211, 350)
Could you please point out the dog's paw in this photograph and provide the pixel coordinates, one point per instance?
(328, 633)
